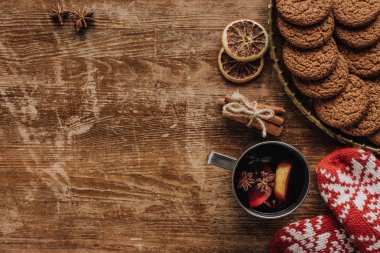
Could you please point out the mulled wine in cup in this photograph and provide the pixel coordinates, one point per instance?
(269, 180)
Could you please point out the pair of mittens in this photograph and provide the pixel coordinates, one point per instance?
(349, 182)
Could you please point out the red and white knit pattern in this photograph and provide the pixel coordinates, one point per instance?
(321, 234)
(349, 181)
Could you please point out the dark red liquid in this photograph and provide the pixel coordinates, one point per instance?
(277, 153)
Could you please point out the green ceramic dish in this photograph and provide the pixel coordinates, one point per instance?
(303, 103)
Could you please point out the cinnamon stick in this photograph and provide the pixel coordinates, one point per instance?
(275, 119)
(271, 128)
(276, 109)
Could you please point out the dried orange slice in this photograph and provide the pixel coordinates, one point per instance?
(245, 40)
(236, 71)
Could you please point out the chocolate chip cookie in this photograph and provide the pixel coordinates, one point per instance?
(312, 64)
(303, 13)
(328, 87)
(355, 13)
(370, 123)
(307, 37)
(359, 37)
(347, 108)
(364, 63)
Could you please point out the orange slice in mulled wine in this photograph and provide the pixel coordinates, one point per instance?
(281, 185)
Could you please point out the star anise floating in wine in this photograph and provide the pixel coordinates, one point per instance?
(246, 181)
(265, 183)
(273, 203)
(59, 13)
(83, 18)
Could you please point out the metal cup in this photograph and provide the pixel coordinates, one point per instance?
(231, 164)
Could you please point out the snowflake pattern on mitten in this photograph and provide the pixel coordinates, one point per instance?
(349, 182)
(321, 234)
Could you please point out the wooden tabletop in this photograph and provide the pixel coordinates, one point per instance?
(104, 134)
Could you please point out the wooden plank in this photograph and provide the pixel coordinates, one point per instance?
(105, 135)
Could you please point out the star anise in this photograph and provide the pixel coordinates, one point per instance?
(246, 181)
(265, 183)
(273, 203)
(83, 17)
(59, 13)
(256, 159)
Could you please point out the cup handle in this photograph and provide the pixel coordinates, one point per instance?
(221, 161)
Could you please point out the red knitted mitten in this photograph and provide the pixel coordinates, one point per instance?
(321, 234)
(349, 181)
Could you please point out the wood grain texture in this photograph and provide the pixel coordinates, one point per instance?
(104, 135)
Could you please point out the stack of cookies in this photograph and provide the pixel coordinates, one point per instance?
(332, 49)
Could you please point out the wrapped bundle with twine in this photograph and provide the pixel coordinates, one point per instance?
(261, 116)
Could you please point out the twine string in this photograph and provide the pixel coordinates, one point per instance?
(240, 107)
